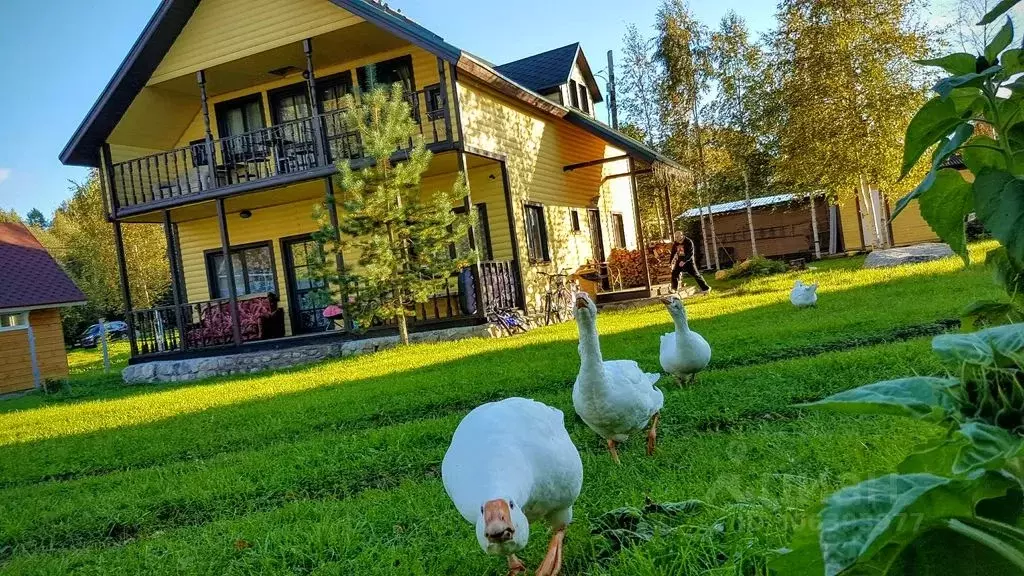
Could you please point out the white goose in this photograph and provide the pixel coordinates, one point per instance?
(509, 463)
(615, 398)
(684, 352)
(804, 295)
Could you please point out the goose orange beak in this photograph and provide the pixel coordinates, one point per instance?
(498, 525)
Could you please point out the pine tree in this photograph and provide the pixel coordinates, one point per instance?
(406, 244)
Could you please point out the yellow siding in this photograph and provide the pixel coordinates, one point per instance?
(537, 147)
(910, 227)
(224, 30)
(849, 219)
(15, 360)
(484, 190)
(53, 359)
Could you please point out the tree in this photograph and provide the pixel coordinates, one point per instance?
(684, 52)
(82, 241)
(10, 215)
(848, 88)
(406, 244)
(639, 83)
(36, 218)
(737, 65)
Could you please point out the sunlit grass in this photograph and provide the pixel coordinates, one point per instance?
(333, 468)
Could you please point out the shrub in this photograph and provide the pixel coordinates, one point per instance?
(753, 267)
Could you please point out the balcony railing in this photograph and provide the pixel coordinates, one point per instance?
(208, 324)
(289, 148)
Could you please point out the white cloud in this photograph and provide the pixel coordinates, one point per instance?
(5, 173)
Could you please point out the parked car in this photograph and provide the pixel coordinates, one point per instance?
(116, 330)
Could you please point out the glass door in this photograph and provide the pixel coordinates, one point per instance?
(307, 311)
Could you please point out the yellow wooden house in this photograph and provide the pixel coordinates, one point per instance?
(225, 124)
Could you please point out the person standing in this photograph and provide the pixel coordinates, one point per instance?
(683, 262)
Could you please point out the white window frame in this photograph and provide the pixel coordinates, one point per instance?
(21, 319)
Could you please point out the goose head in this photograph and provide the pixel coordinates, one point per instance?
(676, 310)
(502, 528)
(586, 310)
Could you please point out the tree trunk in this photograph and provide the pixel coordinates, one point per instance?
(714, 238)
(704, 238)
(403, 329)
(750, 214)
(814, 230)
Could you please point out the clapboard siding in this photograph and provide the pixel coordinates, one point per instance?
(15, 362)
(911, 228)
(224, 30)
(537, 147)
(15, 357)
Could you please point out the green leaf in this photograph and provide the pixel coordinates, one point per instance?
(1006, 341)
(934, 457)
(987, 448)
(924, 186)
(921, 397)
(1007, 273)
(945, 205)
(861, 521)
(933, 122)
(955, 350)
(1001, 8)
(956, 64)
(983, 313)
(1011, 62)
(979, 154)
(946, 86)
(999, 204)
(1000, 41)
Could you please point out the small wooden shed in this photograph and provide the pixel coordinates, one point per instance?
(33, 289)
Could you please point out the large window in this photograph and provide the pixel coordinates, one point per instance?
(536, 234)
(386, 73)
(239, 116)
(618, 231)
(253, 267)
(291, 103)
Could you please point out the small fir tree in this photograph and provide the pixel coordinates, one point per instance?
(409, 242)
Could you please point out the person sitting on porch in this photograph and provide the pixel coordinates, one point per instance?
(683, 262)
(273, 324)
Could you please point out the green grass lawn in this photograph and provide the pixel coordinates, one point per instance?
(334, 468)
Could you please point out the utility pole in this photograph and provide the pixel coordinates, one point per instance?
(613, 107)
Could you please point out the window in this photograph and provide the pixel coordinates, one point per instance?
(574, 94)
(386, 73)
(482, 232)
(253, 268)
(291, 103)
(435, 106)
(574, 220)
(584, 99)
(239, 116)
(618, 231)
(13, 321)
(536, 234)
(331, 91)
(341, 140)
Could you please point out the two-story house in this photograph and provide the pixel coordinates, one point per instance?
(224, 124)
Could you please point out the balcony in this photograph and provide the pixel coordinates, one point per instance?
(282, 154)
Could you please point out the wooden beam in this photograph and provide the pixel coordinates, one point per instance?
(319, 142)
(630, 174)
(641, 240)
(509, 209)
(208, 134)
(126, 294)
(467, 203)
(597, 162)
(444, 98)
(175, 288)
(339, 259)
(225, 250)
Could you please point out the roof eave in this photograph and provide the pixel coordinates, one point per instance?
(44, 306)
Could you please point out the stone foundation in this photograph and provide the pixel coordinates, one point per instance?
(249, 362)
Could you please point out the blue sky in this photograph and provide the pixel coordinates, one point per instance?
(63, 52)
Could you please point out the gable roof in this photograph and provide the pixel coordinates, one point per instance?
(740, 205)
(30, 277)
(547, 70)
(172, 16)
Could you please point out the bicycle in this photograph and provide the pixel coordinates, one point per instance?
(558, 300)
(509, 320)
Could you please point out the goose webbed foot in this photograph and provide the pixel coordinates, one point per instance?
(652, 434)
(515, 566)
(552, 563)
(612, 449)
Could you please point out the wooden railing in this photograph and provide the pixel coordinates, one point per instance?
(259, 156)
(208, 324)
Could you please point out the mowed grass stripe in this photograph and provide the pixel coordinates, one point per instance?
(413, 528)
(345, 395)
(112, 508)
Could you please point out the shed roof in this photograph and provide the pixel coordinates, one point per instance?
(29, 276)
(739, 205)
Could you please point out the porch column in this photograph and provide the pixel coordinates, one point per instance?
(639, 223)
(126, 293)
(444, 100)
(467, 203)
(319, 144)
(172, 258)
(509, 210)
(339, 259)
(225, 250)
(211, 178)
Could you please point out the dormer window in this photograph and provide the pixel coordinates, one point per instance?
(574, 93)
(584, 99)
(579, 96)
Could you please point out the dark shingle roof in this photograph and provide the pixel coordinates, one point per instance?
(29, 276)
(543, 71)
